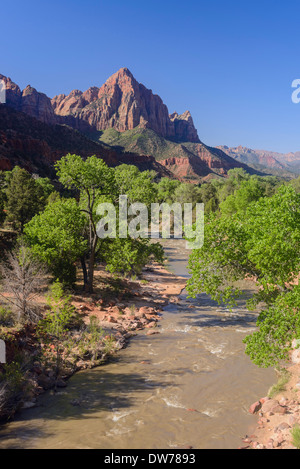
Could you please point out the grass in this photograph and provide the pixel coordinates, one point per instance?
(295, 432)
(280, 386)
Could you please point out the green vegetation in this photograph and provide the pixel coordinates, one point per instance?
(48, 236)
(258, 235)
(280, 386)
(56, 237)
(295, 432)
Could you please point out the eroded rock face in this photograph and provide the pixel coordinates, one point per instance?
(30, 101)
(37, 105)
(13, 93)
(185, 130)
(123, 104)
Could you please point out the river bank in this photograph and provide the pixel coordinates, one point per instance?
(120, 308)
(279, 413)
(187, 386)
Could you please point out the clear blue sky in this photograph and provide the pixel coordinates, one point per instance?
(231, 63)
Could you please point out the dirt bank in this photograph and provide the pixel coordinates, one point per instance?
(122, 308)
(278, 415)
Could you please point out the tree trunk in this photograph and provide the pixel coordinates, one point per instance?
(90, 284)
(84, 271)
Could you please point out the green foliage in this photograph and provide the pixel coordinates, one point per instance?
(186, 193)
(295, 183)
(2, 205)
(14, 376)
(280, 386)
(249, 191)
(56, 237)
(53, 328)
(24, 197)
(85, 176)
(166, 188)
(57, 321)
(92, 339)
(46, 187)
(262, 240)
(278, 326)
(138, 186)
(6, 317)
(129, 256)
(295, 432)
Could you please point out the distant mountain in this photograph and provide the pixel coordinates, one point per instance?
(133, 123)
(276, 163)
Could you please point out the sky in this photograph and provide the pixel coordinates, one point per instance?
(230, 63)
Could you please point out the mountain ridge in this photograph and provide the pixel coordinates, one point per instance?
(289, 162)
(127, 107)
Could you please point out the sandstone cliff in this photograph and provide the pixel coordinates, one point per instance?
(140, 130)
(123, 104)
(29, 101)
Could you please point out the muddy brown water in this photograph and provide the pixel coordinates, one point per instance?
(194, 387)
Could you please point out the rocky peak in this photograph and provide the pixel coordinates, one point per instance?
(185, 130)
(29, 101)
(13, 93)
(37, 105)
(123, 103)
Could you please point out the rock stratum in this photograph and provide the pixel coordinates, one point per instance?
(122, 122)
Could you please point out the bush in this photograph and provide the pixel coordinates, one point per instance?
(295, 432)
(6, 317)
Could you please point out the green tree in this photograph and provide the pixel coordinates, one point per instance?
(53, 328)
(262, 241)
(138, 186)
(129, 256)
(186, 193)
(93, 179)
(209, 196)
(56, 237)
(2, 204)
(248, 191)
(166, 188)
(24, 197)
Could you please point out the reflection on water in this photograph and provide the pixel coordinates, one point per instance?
(190, 385)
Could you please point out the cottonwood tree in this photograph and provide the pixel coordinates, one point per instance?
(262, 241)
(94, 180)
(56, 237)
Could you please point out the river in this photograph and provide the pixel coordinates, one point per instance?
(192, 384)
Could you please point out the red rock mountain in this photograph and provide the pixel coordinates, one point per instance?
(123, 104)
(29, 101)
(31, 134)
(35, 146)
